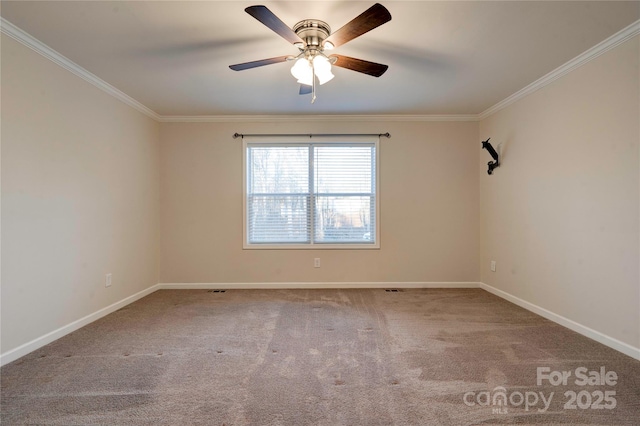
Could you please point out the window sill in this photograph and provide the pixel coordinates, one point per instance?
(311, 247)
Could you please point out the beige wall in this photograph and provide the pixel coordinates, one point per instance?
(561, 215)
(428, 207)
(80, 182)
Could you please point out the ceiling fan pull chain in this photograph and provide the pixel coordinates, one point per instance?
(313, 82)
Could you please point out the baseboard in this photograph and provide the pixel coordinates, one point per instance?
(616, 344)
(316, 285)
(39, 342)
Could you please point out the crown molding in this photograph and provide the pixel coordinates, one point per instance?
(26, 39)
(31, 42)
(329, 118)
(597, 50)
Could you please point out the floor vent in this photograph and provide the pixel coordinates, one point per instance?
(393, 290)
(216, 291)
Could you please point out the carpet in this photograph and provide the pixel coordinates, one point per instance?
(322, 357)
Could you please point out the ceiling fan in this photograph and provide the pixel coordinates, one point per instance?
(312, 37)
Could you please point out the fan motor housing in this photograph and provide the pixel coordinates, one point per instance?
(312, 31)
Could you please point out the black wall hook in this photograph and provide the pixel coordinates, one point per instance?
(492, 164)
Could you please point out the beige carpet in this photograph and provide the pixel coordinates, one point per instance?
(318, 357)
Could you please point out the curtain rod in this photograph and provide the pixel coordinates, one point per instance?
(310, 135)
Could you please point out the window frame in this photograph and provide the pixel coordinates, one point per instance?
(307, 141)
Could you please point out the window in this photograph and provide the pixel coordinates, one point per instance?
(301, 194)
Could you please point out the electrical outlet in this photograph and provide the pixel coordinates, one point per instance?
(316, 262)
(493, 266)
(107, 280)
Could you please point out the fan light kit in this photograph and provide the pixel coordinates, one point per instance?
(312, 61)
(312, 38)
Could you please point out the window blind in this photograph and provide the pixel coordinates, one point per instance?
(311, 193)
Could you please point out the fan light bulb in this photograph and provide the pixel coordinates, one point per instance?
(302, 71)
(322, 68)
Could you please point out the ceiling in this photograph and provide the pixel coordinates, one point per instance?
(448, 57)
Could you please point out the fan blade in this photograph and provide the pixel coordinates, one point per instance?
(360, 65)
(371, 18)
(264, 15)
(304, 89)
(260, 63)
